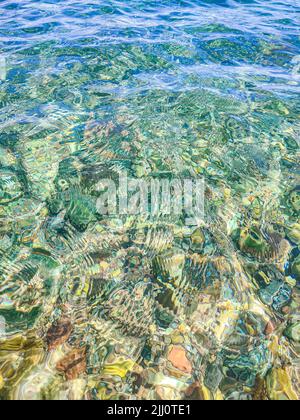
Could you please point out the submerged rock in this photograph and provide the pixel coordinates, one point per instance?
(295, 199)
(73, 364)
(178, 357)
(213, 377)
(81, 212)
(252, 241)
(277, 295)
(59, 333)
(296, 268)
(293, 233)
(293, 332)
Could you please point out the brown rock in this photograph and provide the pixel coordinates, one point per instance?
(177, 356)
(270, 328)
(194, 392)
(73, 364)
(260, 390)
(286, 310)
(59, 333)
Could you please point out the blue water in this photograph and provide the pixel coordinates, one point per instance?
(95, 307)
(257, 38)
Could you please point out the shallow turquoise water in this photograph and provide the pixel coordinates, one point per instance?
(149, 308)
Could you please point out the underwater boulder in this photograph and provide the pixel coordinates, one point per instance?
(295, 199)
(81, 212)
(277, 295)
(295, 269)
(293, 332)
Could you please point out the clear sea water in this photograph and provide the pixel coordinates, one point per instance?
(126, 307)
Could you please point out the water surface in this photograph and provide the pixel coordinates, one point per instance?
(136, 307)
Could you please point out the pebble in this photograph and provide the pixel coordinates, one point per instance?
(178, 357)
